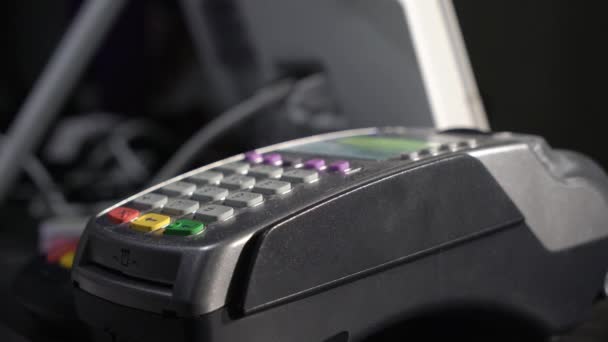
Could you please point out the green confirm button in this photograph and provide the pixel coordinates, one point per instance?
(184, 227)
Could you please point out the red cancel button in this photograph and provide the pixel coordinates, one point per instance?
(122, 215)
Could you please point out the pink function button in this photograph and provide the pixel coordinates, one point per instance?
(253, 157)
(273, 159)
(339, 166)
(317, 164)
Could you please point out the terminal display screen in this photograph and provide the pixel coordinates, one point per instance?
(373, 147)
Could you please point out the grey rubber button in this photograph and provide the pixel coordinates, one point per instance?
(237, 167)
(213, 212)
(238, 182)
(272, 187)
(178, 189)
(179, 207)
(210, 193)
(301, 176)
(150, 201)
(206, 177)
(266, 171)
(243, 199)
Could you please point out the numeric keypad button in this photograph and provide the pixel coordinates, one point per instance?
(266, 171)
(272, 187)
(210, 193)
(243, 199)
(236, 167)
(213, 213)
(301, 176)
(207, 177)
(179, 207)
(150, 201)
(238, 182)
(178, 189)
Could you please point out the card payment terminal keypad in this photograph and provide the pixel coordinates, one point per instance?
(187, 207)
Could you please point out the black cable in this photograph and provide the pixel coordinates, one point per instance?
(118, 144)
(263, 98)
(311, 105)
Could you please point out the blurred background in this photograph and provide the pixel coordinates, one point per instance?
(540, 68)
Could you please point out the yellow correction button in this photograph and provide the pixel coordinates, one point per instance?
(150, 222)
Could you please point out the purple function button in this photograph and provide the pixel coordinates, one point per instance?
(339, 166)
(317, 164)
(273, 159)
(253, 157)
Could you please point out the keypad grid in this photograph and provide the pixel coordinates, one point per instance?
(186, 207)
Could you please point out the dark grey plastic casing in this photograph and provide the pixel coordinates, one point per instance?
(344, 228)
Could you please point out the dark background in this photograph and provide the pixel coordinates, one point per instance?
(540, 67)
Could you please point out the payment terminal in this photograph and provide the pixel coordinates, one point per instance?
(332, 237)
